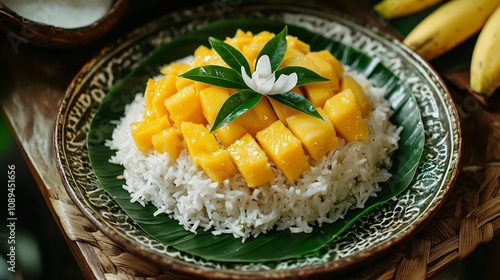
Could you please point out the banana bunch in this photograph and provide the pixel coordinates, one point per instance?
(451, 24)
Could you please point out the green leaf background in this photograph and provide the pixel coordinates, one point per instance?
(275, 245)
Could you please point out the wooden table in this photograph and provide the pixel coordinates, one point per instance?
(33, 82)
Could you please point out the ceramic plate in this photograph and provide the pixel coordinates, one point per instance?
(371, 235)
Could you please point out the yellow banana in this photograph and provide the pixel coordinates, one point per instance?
(398, 8)
(449, 25)
(485, 64)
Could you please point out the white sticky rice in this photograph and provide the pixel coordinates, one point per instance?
(343, 179)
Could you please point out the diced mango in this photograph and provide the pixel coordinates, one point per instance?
(149, 93)
(229, 133)
(337, 66)
(217, 165)
(282, 111)
(326, 70)
(295, 43)
(165, 87)
(167, 141)
(185, 106)
(174, 68)
(317, 136)
(240, 39)
(345, 115)
(318, 93)
(251, 161)
(143, 131)
(284, 149)
(211, 100)
(198, 140)
(258, 118)
(359, 94)
(252, 50)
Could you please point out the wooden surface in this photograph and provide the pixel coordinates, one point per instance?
(32, 84)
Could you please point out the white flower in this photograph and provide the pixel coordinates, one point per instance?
(264, 81)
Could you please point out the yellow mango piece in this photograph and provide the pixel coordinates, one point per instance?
(345, 115)
(240, 39)
(165, 87)
(211, 100)
(251, 51)
(251, 161)
(167, 141)
(318, 93)
(185, 106)
(284, 149)
(217, 165)
(230, 133)
(290, 52)
(258, 118)
(283, 111)
(143, 131)
(263, 36)
(326, 70)
(149, 94)
(295, 43)
(349, 82)
(174, 68)
(337, 66)
(198, 140)
(317, 136)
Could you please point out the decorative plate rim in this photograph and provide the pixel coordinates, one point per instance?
(182, 266)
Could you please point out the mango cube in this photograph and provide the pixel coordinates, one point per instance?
(345, 115)
(318, 93)
(337, 66)
(143, 131)
(198, 140)
(284, 149)
(217, 165)
(251, 161)
(185, 106)
(258, 118)
(326, 70)
(229, 133)
(359, 94)
(167, 141)
(149, 93)
(211, 100)
(165, 87)
(317, 136)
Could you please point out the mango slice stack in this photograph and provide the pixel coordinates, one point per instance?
(178, 113)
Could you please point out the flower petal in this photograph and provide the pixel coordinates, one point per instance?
(263, 67)
(248, 81)
(284, 83)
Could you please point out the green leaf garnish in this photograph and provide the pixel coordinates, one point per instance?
(229, 54)
(297, 102)
(235, 106)
(304, 75)
(216, 75)
(275, 49)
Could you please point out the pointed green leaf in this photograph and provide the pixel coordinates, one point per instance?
(275, 49)
(297, 102)
(304, 75)
(231, 56)
(235, 106)
(217, 76)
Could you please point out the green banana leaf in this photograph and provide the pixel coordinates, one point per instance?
(275, 245)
